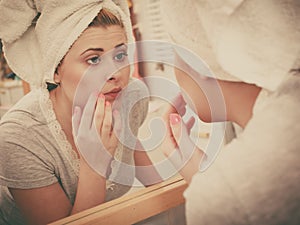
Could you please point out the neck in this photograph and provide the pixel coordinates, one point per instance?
(63, 110)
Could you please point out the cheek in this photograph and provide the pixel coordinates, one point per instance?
(71, 77)
(125, 74)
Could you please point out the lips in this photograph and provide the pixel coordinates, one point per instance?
(113, 93)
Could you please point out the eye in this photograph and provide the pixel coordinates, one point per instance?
(121, 56)
(94, 60)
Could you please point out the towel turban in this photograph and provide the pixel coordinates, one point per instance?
(37, 34)
(250, 40)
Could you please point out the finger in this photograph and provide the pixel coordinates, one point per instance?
(117, 125)
(173, 105)
(179, 104)
(76, 120)
(175, 124)
(107, 122)
(99, 113)
(181, 136)
(181, 110)
(190, 123)
(115, 134)
(178, 101)
(168, 146)
(88, 112)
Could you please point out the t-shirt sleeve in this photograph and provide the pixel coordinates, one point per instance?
(25, 163)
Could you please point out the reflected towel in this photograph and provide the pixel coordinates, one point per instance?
(249, 40)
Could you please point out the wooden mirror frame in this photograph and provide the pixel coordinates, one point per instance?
(130, 209)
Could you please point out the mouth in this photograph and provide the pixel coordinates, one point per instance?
(111, 95)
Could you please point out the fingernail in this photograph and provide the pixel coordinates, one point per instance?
(107, 103)
(174, 118)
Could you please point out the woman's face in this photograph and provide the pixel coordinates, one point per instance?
(90, 50)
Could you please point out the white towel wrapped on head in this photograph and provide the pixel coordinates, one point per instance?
(37, 34)
(260, 42)
(250, 40)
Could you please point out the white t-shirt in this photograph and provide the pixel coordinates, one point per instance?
(34, 152)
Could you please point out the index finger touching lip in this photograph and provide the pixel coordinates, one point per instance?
(99, 111)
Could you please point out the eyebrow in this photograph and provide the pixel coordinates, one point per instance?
(101, 49)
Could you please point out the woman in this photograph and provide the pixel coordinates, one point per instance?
(44, 176)
(254, 178)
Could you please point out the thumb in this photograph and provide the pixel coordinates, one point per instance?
(190, 123)
(117, 124)
(175, 124)
(181, 136)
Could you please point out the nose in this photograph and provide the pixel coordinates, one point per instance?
(115, 75)
(112, 70)
(115, 72)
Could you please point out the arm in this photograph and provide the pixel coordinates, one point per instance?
(185, 156)
(96, 141)
(236, 99)
(145, 171)
(90, 190)
(42, 205)
(47, 204)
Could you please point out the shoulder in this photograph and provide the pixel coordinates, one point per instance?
(26, 111)
(25, 160)
(24, 141)
(24, 130)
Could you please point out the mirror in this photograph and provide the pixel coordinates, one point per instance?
(130, 209)
(141, 204)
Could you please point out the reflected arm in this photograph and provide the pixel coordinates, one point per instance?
(145, 171)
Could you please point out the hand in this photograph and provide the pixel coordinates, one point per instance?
(94, 135)
(178, 106)
(180, 149)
